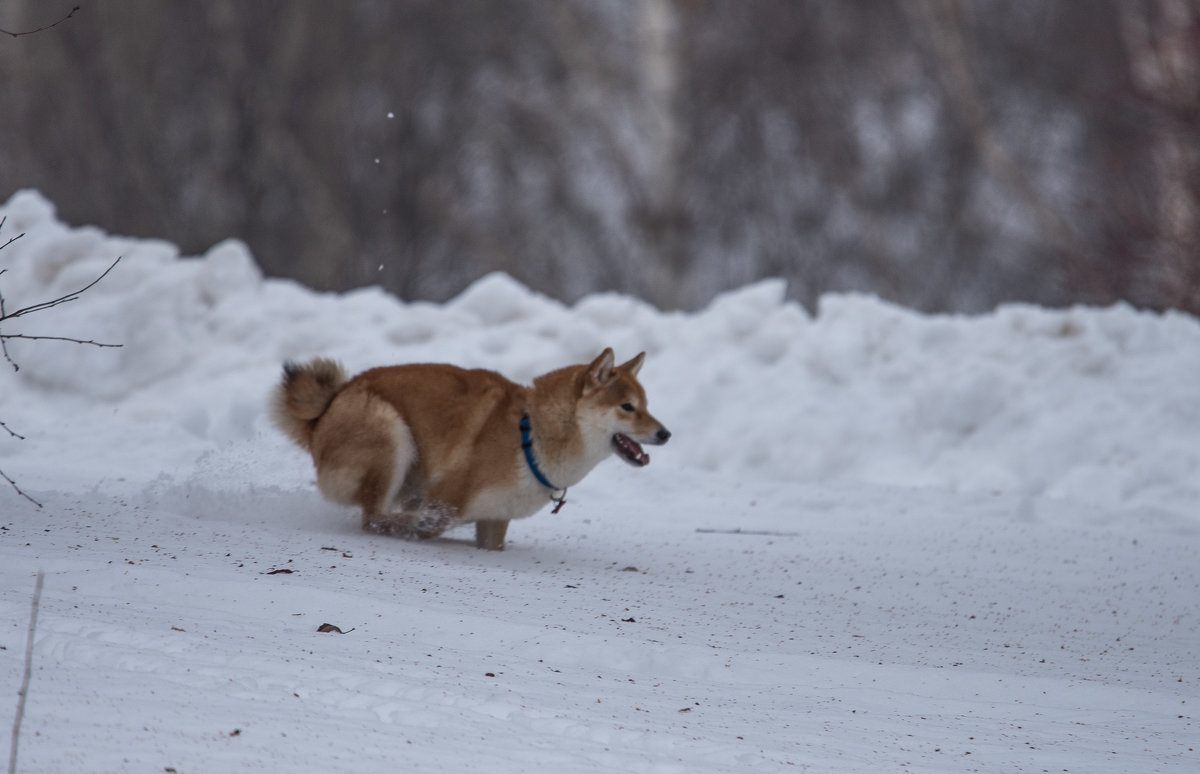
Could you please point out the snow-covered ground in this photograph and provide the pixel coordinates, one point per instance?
(878, 541)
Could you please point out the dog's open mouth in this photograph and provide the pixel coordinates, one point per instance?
(630, 451)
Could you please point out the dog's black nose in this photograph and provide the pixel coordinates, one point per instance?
(663, 435)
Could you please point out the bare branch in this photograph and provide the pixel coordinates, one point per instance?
(33, 616)
(43, 28)
(57, 338)
(18, 489)
(60, 300)
(10, 241)
(4, 315)
(4, 350)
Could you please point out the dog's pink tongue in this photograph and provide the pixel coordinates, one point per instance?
(632, 450)
(639, 454)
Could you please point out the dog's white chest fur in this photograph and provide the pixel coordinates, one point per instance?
(505, 503)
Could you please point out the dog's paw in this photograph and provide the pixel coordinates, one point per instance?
(396, 525)
(424, 525)
(433, 523)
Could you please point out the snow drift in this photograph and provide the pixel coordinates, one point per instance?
(1091, 404)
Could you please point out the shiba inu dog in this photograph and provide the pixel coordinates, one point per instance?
(421, 448)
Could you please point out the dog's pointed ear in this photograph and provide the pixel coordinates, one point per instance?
(634, 365)
(600, 372)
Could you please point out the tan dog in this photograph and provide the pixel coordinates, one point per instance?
(421, 448)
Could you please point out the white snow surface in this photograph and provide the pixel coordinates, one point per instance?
(878, 540)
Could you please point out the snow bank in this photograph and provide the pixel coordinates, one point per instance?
(1089, 404)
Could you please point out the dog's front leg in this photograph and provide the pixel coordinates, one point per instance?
(490, 534)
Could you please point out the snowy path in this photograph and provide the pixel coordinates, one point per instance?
(880, 630)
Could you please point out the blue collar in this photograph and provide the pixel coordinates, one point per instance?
(527, 446)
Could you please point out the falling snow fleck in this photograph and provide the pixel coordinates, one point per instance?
(391, 114)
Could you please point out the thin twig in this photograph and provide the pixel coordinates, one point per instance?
(41, 29)
(6, 244)
(19, 490)
(60, 300)
(4, 349)
(12, 432)
(57, 338)
(4, 341)
(4, 315)
(33, 616)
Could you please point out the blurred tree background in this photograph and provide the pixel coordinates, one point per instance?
(944, 154)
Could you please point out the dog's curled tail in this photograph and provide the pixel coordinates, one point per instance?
(303, 395)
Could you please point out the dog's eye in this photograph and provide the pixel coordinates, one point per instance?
(627, 407)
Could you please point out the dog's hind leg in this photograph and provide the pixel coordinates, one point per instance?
(374, 495)
(364, 452)
(383, 483)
